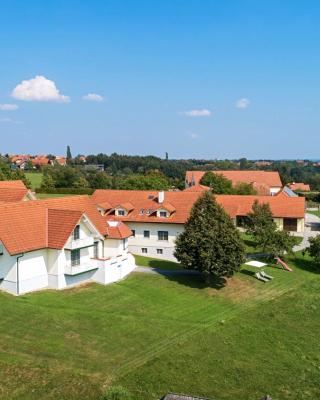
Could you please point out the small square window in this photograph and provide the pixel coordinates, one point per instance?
(163, 213)
(144, 250)
(146, 234)
(121, 212)
(159, 251)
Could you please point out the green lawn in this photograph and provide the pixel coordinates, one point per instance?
(153, 334)
(52, 195)
(35, 179)
(154, 263)
(317, 213)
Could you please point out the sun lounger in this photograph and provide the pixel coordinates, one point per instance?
(266, 275)
(260, 277)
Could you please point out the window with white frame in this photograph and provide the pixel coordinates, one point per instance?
(159, 251)
(163, 214)
(163, 235)
(121, 212)
(144, 250)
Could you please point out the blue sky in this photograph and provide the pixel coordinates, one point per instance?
(202, 79)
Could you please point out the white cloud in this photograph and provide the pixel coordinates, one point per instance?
(92, 97)
(194, 135)
(197, 113)
(10, 121)
(38, 88)
(8, 107)
(243, 103)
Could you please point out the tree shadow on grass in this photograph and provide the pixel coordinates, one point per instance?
(196, 281)
(305, 264)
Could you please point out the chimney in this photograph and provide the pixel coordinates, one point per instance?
(161, 197)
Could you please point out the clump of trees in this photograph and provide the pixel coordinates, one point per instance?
(7, 174)
(219, 184)
(210, 243)
(80, 178)
(264, 230)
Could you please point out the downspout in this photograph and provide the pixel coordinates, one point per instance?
(18, 259)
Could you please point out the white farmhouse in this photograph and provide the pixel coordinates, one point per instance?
(157, 218)
(59, 243)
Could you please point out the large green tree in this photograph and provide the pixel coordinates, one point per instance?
(210, 243)
(217, 182)
(265, 232)
(314, 249)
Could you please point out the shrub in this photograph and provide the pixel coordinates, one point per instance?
(117, 393)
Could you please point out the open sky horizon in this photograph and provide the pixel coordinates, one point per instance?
(197, 79)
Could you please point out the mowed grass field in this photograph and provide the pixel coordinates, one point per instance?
(155, 334)
(35, 178)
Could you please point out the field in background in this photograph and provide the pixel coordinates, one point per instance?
(35, 179)
(51, 195)
(155, 334)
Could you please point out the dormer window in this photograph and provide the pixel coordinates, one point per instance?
(163, 214)
(121, 212)
(141, 212)
(76, 233)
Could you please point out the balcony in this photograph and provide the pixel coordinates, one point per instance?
(79, 269)
(79, 243)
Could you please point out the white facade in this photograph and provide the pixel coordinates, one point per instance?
(108, 262)
(152, 246)
(274, 190)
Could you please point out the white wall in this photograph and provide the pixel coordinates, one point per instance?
(32, 271)
(137, 242)
(274, 190)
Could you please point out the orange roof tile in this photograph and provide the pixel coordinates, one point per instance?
(118, 230)
(281, 206)
(33, 225)
(299, 186)
(269, 178)
(18, 184)
(197, 188)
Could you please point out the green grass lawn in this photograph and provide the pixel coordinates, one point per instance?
(153, 334)
(35, 179)
(317, 213)
(154, 263)
(52, 195)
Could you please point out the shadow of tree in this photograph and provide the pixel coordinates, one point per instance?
(196, 281)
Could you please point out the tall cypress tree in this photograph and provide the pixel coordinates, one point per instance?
(69, 155)
(210, 243)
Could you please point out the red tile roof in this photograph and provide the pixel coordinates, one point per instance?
(38, 224)
(118, 230)
(18, 184)
(197, 188)
(145, 201)
(266, 178)
(12, 191)
(281, 206)
(299, 186)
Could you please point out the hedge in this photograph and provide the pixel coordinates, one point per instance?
(65, 190)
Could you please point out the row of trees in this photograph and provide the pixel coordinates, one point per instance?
(77, 177)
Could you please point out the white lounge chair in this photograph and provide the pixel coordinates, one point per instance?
(260, 277)
(266, 275)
